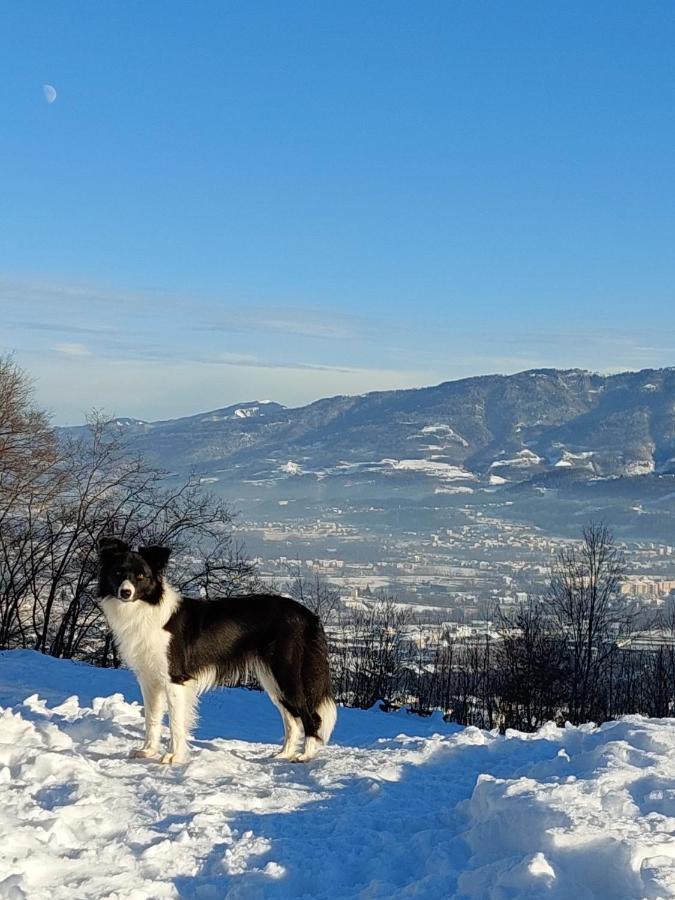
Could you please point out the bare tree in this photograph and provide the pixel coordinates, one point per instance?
(313, 591)
(530, 660)
(30, 477)
(29, 451)
(582, 602)
(369, 648)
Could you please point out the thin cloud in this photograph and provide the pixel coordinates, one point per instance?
(157, 390)
(127, 355)
(305, 322)
(232, 314)
(633, 339)
(77, 294)
(76, 350)
(60, 328)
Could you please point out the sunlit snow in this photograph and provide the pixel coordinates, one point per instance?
(398, 806)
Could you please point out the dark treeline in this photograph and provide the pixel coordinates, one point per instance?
(570, 655)
(510, 678)
(574, 654)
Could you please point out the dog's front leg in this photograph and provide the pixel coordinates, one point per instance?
(181, 699)
(153, 711)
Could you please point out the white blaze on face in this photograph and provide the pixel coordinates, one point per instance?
(123, 588)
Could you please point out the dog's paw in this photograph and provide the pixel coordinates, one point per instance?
(298, 757)
(286, 754)
(142, 753)
(173, 759)
(312, 746)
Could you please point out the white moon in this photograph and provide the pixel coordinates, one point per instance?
(50, 92)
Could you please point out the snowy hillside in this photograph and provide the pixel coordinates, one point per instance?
(398, 806)
(568, 425)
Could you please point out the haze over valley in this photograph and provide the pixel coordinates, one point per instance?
(447, 497)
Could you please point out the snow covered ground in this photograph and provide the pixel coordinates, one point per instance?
(397, 807)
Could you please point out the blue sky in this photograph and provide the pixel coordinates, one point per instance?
(278, 200)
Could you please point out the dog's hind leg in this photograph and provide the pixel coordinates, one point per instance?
(320, 712)
(292, 699)
(182, 706)
(292, 724)
(313, 736)
(292, 734)
(154, 702)
(326, 714)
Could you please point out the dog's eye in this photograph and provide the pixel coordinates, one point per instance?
(140, 576)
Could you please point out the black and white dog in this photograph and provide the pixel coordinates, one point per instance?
(179, 647)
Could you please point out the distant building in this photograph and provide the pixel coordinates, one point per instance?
(640, 586)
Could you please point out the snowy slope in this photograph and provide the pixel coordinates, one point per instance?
(397, 807)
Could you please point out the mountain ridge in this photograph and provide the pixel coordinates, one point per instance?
(491, 429)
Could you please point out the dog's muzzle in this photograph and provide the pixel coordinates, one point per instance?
(126, 591)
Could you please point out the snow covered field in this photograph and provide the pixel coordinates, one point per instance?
(397, 807)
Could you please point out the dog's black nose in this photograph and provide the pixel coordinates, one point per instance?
(125, 593)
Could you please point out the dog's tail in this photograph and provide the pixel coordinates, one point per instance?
(317, 682)
(327, 712)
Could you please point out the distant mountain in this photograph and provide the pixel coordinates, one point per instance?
(540, 426)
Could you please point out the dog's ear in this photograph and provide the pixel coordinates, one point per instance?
(107, 544)
(156, 557)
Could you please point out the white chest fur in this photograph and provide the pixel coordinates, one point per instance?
(138, 629)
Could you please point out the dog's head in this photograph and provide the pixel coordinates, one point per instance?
(131, 575)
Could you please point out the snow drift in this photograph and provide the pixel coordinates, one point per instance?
(399, 806)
